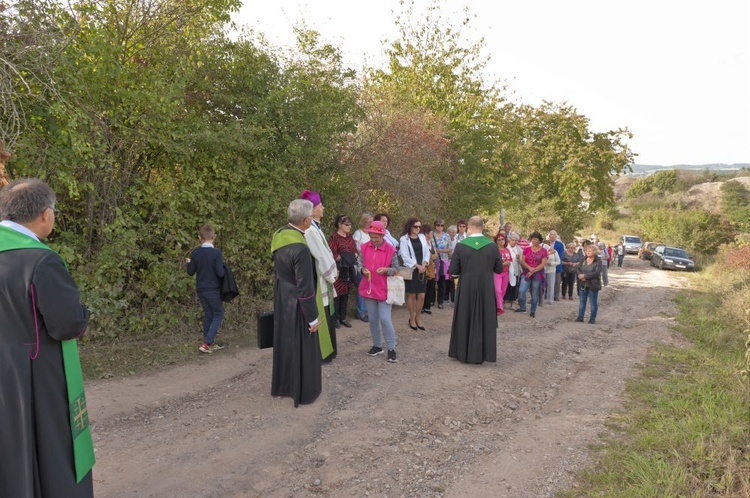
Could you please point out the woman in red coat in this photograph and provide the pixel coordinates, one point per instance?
(344, 250)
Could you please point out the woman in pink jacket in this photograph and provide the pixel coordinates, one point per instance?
(501, 279)
(379, 261)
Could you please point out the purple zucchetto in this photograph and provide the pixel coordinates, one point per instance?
(311, 196)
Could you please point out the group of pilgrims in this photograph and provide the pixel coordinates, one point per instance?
(457, 266)
(43, 406)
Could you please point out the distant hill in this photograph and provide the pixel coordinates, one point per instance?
(647, 169)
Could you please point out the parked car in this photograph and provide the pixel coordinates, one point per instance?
(647, 248)
(673, 258)
(632, 243)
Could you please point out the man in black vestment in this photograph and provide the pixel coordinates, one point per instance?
(474, 329)
(296, 350)
(39, 308)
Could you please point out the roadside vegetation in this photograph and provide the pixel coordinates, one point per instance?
(685, 430)
(145, 138)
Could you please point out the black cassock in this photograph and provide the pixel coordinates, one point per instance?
(296, 352)
(36, 447)
(474, 329)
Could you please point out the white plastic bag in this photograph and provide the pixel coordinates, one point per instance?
(396, 291)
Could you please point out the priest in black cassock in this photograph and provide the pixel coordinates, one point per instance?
(45, 438)
(474, 331)
(296, 350)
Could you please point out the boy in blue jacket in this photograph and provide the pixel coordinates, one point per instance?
(207, 265)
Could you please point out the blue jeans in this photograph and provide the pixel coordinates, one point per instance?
(213, 314)
(619, 259)
(380, 320)
(361, 308)
(536, 286)
(586, 293)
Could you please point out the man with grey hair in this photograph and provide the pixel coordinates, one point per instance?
(296, 303)
(474, 330)
(45, 439)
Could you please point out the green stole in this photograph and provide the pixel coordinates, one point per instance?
(286, 236)
(83, 446)
(476, 243)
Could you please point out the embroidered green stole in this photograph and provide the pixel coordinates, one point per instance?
(476, 243)
(83, 446)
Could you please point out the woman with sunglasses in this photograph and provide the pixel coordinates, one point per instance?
(344, 250)
(415, 254)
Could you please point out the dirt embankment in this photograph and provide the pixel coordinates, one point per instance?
(425, 426)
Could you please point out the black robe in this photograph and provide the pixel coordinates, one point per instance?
(474, 329)
(296, 352)
(36, 448)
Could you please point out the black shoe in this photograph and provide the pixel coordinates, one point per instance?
(346, 324)
(426, 310)
(532, 315)
(336, 325)
(412, 326)
(579, 319)
(375, 351)
(519, 310)
(420, 327)
(364, 318)
(392, 356)
(592, 321)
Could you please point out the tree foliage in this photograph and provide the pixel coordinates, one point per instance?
(148, 120)
(735, 202)
(566, 164)
(433, 68)
(661, 182)
(166, 124)
(696, 230)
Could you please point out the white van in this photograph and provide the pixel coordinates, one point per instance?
(632, 243)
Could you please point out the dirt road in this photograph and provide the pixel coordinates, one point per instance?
(425, 426)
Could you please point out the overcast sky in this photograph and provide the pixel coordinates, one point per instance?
(676, 73)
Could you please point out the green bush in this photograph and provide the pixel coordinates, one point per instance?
(735, 202)
(661, 182)
(695, 230)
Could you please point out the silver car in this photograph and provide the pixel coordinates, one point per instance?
(632, 243)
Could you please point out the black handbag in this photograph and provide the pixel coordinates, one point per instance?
(265, 330)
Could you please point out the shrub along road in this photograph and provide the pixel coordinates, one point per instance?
(426, 426)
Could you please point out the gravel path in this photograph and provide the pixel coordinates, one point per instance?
(426, 426)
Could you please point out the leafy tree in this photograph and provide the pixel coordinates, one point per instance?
(166, 125)
(432, 68)
(395, 159)
(566, 164)
(735, 202)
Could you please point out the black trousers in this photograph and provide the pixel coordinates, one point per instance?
(567, 283)
(429, 297)
(340, 304)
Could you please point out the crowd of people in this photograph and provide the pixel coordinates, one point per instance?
(456, 265)
(314, 274)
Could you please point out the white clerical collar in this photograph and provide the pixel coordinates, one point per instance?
(476, 235)
(18, 228)
(207, 244)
